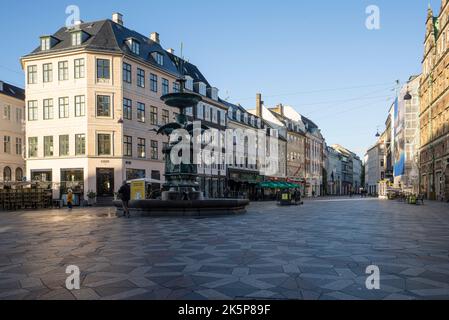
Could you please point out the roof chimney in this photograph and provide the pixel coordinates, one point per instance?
(155, 37)
(259, 104)
(280, 108)
(1, 85)
(118, 18)
(171, 50)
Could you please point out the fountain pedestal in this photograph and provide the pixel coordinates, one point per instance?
(183, 196)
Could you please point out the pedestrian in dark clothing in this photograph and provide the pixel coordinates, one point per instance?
(297, 197)
(125, 195)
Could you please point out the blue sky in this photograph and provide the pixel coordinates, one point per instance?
(314, 55)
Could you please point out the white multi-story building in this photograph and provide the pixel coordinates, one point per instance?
(375, 167)
(12, 133)
(93, 105)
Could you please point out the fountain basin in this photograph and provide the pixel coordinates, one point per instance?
(193, 208)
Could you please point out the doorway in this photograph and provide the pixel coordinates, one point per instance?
(105, 182)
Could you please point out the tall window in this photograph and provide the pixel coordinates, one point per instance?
(7, 112)
(176, 87)
(19, 115)
(80, 144)
(63, 70)
(128, 146)
(32, 74)
(165, 117)
(80, 106)
(32, 147)
(19, 146)
(47, 70)
(159, 59)
(141, 78)
(127, 72)
(63, 145)
(19, 174)
(48, 146)
(165, 86)
(77, 38)
(103, 69)
(127, 109)
(45, 43)
(7, 144)
(7, 174)
(154, 150)
(104, 144)
(153, 116)
(79, 69)
(153, 82)
(48, 109)
(135, 47)
(140, 112)
(103, 106)
(141, 148)
(63, 107)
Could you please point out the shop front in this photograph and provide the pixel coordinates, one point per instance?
(72, 179)
(243, 184)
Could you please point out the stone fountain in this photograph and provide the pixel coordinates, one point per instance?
(183, 196)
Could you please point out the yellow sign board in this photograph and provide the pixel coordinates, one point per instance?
(138, 190)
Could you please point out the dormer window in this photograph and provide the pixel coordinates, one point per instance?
(45, 43)
(202, 89)
(77, 38)
(134, 45)
(214, 94)
(189, 83)
(159, 58)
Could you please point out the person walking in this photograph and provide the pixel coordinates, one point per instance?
(125, 195)
(70, 199)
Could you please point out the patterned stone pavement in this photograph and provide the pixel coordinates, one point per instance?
(317, 251)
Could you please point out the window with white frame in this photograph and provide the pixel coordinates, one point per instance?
(63, 107)
(104, 144)
(159, 58)
(189, 83)
(200, 111)
(202, 88)
(79, 68)
(80, 106)
(48, 109)
(45, 43)
(63, 70)
(32, 74)
(135, 47)
(77, 38)
(103, 106)
(32, 110)
(47, 72)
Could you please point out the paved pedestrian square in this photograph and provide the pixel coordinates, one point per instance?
(317, 251)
